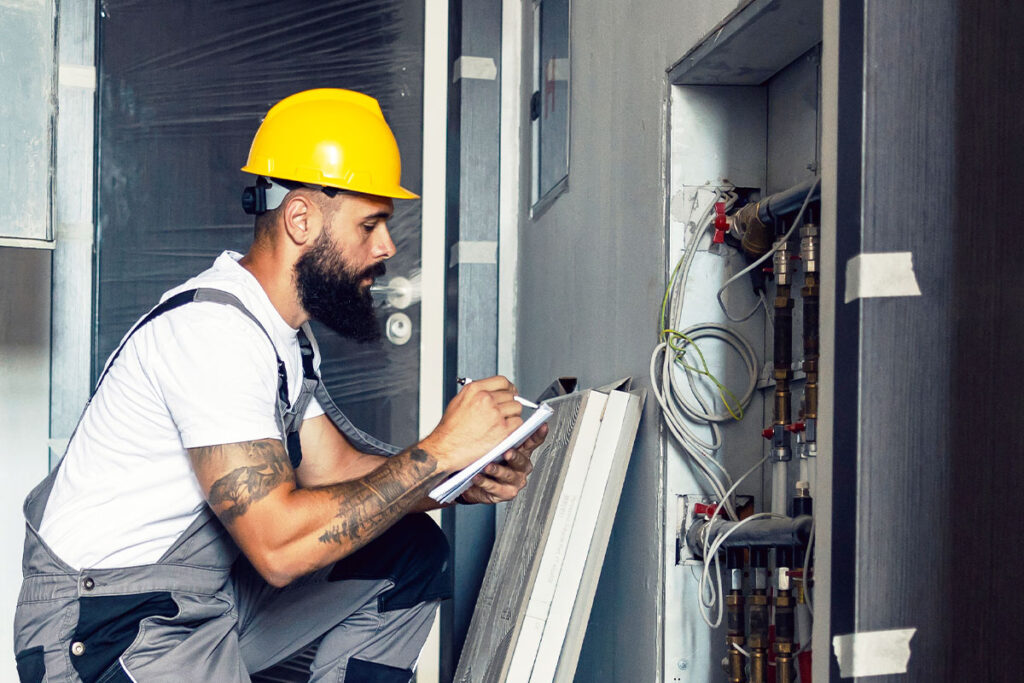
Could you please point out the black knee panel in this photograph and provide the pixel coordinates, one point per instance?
(413, 554)
(362, 671)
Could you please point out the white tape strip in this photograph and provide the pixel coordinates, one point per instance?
(75, 231)
(873, 653)
(474, 252)
(77, 76)
(481, 68)
(879, 275)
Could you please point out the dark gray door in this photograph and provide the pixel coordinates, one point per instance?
(183, 87)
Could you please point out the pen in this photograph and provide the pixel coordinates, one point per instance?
(463, 381)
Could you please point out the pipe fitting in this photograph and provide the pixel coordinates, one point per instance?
(809, 247)
(782, 267)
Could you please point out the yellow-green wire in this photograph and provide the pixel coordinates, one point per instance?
(671, 337)
(664, 300)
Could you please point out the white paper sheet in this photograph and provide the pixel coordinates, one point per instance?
(451, 488)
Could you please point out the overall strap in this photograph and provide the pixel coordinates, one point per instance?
(201, 294)
(311, 380)
(309, 376)
(358, 438)
(35, 502)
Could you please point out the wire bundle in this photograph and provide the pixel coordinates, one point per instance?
(684, 406)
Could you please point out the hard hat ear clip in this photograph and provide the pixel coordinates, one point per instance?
(254, 199)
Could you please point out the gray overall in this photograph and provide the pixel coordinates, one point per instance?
(201, 613)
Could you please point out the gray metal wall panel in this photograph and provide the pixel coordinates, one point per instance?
(472, 288)
(27, 110)
(793, 124)
(906, 351)
(592, 277)
(896, 573)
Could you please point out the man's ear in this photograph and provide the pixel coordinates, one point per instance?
(297, 213)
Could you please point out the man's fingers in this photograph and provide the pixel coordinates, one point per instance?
(495, 489)
(501, 397)
(536, 439)
(510, 409)
(519, 460)
(513, 423)
(506, 475)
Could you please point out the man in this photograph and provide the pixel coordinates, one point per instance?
(210, 433)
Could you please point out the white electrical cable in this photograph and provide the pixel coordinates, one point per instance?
(807, 567)
(681, 411)
(700, 451)
(713, 559)
(711, 555)
(775, 247)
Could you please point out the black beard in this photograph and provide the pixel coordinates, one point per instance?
(331, 295)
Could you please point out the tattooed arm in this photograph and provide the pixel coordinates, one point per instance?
(287, 531)
(328, 458)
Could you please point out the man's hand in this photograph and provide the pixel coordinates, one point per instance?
(503, 480)
(476, 420)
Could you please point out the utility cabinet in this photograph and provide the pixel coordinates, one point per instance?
(745, 117)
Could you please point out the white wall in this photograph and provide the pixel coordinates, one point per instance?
(24, 413)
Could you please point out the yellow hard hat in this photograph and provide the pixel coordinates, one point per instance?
(329, 137)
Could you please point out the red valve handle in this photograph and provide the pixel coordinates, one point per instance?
(721, 223)
(709, 509)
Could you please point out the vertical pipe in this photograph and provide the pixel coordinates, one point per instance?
(758, 632)
(808, 439)
(803, 504)
(736, 630)
(783, 375)
(785, 625)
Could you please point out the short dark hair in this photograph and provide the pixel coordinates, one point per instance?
(263, 226)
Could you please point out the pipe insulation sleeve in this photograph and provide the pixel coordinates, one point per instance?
(780, 480)
(771, 532)
(781, 203)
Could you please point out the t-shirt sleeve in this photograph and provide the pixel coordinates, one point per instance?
(217, 372)
(314, 409)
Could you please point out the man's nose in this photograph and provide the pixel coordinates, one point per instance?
(385, 247)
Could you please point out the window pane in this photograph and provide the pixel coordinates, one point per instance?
(26, 117)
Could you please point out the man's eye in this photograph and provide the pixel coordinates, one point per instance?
(369, 227)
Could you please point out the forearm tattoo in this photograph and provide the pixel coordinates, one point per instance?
(232, 494)
(368, 506)
(365, 506)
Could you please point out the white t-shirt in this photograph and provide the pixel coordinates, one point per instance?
(199, 375)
